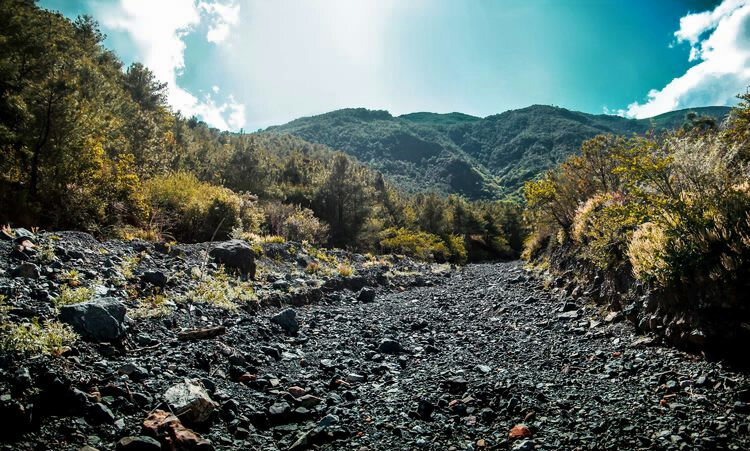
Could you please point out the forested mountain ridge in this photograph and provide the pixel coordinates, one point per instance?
(487, 157)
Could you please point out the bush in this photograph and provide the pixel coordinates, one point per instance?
(676, 207)
(302, 225)
(345, 270)
(197, 211)
(420, 245)
(221, 291)
(32, 338)
(73, 296)
(647, 252)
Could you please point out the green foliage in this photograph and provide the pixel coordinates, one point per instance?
(73, 296)
(221, 291)
(193, 210)
(676, 206)
(479, 158)
(32, 339)
(421, 245)
(156, 305)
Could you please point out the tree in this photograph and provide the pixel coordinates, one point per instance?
(344, 200)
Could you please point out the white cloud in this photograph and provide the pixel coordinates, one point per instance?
(158, 29)
(222, 16)
(720, 40)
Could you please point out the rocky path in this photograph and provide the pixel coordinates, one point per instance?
(482, 357)
(489, 350)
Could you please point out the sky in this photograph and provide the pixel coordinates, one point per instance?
(249, 64)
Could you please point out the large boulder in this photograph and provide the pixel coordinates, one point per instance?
(101, 319)
(235, 255)
(190, 402)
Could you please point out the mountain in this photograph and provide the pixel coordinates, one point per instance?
(477, 157)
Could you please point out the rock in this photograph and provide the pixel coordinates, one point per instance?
(356, 378)
(568, 307)
(305, 439)
(101, 319)
(519, 431)
(133, 371)
(366, 295)
(236, 255)
(26, 270)
(389, 346)
(281, 285)
(99, 413)
(573, 314)
(287, 319)
(156, 278)
(16, 418)
(419, 324)
(524, 445)
(190, 402)
(168, 429)
(309, 401)
(21, 233)
(279, 409)
(484, 369)
(297, 392)
(425, 409)
(613, 317)
(139, 443)
(457, 384)
(271, 352)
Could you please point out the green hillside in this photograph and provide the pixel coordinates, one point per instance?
(487, 157)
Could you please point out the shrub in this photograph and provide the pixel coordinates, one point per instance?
(420, 245)
(456, 249)
(198, 211)
(345, 270)
(73, 296)
(152, 306)
(647, 251)
(675, 206)
(33, 338)
(302, 225)
(312, 268)
(220, 291)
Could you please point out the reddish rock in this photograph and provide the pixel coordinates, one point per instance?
(296, 391)
(168, 429)
(519, 431)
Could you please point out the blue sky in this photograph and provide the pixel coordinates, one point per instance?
(254, 63)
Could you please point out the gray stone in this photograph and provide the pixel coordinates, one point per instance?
(190, 402)
(366, 295)
(156, 278)
(524, 445)
(389, 346)
(99, 413)
(101, 319)
(140, 443)
(287, 319)
(236, 255)
(26, 270)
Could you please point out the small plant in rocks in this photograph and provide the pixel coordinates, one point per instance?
(73, 296)
(156, 305)
(34, 338)
(221, 291)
